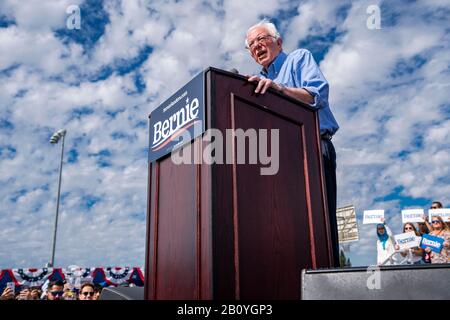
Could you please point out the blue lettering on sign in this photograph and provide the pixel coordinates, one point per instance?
(402, 241)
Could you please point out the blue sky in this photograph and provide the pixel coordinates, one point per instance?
(389, 90)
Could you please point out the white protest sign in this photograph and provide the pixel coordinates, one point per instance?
(444, 213)
(412, 215)
(373, 216)
(407, 240)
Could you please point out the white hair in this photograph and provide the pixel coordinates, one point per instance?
(269, 26)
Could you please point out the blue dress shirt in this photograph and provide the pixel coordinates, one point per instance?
(300, 70)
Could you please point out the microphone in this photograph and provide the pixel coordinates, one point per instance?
(234, 70)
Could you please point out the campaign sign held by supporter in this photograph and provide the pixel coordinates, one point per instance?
(407, 240)
(373, 216)
(412, 215)
(432, 242)
(444, 213)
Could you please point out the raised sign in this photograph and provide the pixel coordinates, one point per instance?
(432, 242)
(373, 216)
(412, 215)
(443, 212)
(407, 240)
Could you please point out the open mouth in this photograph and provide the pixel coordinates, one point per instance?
(261, 54)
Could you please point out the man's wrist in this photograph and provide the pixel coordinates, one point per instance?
(281, 87)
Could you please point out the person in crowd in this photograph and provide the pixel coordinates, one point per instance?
(69, 292)
(87, 292)
(441, 230)
(414, 255)
(438, 205)
(422, 228)
(8, 294)
(36, 293)
(434, 205)
(25, 293)
(98, 291)
(385, 244)
(55, 290)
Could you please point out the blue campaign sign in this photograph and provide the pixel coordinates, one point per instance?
(178, 120)
(432, 242)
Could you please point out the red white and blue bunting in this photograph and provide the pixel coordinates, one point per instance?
(110, 276)
(115, 276)
(31, 277)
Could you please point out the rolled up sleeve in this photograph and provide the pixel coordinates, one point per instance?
(312, 80)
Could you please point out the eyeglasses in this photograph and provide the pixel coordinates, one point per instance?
(56, 293)
(259, 39)
(87, 293)
(435, 222)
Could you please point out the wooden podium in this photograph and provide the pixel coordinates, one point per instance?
(223, 231)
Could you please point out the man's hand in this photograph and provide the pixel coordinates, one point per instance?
(297, 93)
(263, 84)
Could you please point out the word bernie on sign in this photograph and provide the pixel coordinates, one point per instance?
(183, 112)
(163, 130)
(432, 242)
(407, 240)
(443, 212)
(373, 216)
(412, 215)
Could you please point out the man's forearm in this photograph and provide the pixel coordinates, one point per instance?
(300, 94)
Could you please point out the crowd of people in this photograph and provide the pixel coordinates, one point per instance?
(56, 290)
(386, 246)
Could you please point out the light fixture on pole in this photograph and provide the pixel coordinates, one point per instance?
(54, 140)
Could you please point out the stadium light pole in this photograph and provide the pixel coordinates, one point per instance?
(54, 140)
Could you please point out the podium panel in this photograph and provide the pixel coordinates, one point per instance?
(277, 218)
(224, 231)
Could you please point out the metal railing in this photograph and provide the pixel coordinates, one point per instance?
(394, 261)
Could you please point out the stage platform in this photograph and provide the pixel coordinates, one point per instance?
(405, 282)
